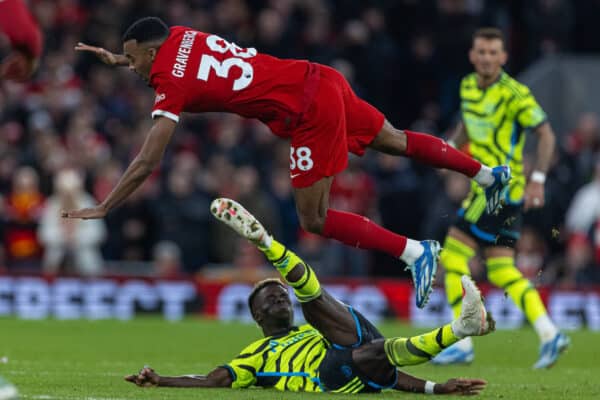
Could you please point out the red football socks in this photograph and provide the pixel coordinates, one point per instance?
(433, 151)
(358, 231)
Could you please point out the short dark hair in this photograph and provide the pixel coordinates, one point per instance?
(260, 286)
(147, 29)
(489, 33)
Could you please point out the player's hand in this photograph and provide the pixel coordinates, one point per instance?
(145, 378)
(85, 213)
(104, 55)
(461, 386)
(534, 195)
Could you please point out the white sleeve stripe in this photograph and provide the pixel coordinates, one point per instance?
(167, 114)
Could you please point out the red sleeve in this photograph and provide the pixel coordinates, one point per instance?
(19, 25)
(169, 100)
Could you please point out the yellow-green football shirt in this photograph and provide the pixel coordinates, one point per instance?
(497, 119)
(287, 362)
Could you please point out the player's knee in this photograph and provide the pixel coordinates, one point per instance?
(313, 223)
(371, 356)
(504, 276)
(453, 261)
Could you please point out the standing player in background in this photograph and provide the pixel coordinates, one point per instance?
(310, 104)
(20, 41)
(497, 112)
(20, 50)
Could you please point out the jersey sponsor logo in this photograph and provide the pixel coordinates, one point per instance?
(294, 175)
(183, 54)
(159, 97)
(273, 344)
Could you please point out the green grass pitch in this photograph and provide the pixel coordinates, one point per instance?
(68, 360)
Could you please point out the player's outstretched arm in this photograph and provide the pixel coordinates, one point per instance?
(108, 58)
(147, 377)
(534, 191)
(460, 386)
(140, 168)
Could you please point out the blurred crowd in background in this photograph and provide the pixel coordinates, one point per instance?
(68, 135)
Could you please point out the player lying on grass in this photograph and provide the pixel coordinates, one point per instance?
(309, 104)
(339, 350)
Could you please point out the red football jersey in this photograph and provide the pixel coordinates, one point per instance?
(19, 26)
(197, 72)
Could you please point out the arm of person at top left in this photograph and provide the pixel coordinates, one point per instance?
(140, 168)
(456, 386)
(107, 57)
(534, 191)
(147, 377)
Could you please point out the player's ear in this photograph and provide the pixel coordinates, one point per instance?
(504, 57)
(152, 51)
(257, 316)
(472, 55)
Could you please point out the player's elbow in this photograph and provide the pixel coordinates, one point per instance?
(146, 166)
(545, 132)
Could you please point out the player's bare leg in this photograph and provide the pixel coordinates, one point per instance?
(355, 230)
(436, 152)
(312, 203)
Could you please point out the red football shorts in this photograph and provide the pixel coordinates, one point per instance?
(335, 123)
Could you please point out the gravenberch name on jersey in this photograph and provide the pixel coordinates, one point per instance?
(183, 54)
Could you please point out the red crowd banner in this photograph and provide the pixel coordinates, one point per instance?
(35, 297)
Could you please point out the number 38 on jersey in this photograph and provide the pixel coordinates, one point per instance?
(222, 69)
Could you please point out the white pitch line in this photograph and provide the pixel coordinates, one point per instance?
(49, 397)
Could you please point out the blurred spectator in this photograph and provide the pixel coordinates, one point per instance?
(182, 212)
(247, 190)
(583, 230)
(353, 190)
(132, 227)
(312, 249)
(21, 215)
(406, 57)
(166, 258)
(445, 202)
(285, 206)
(70, 244)
(530, 254)
(582, 145)
(399, 204)
(550, 24)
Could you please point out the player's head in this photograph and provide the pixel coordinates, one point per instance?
(141, 42)
(488, 54)
(270, 304)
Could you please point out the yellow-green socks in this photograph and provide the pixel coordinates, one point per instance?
(503, 273)
(419, 349)
(306, 286)
(455, 258)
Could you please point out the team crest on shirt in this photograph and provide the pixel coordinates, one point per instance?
(159, 97)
